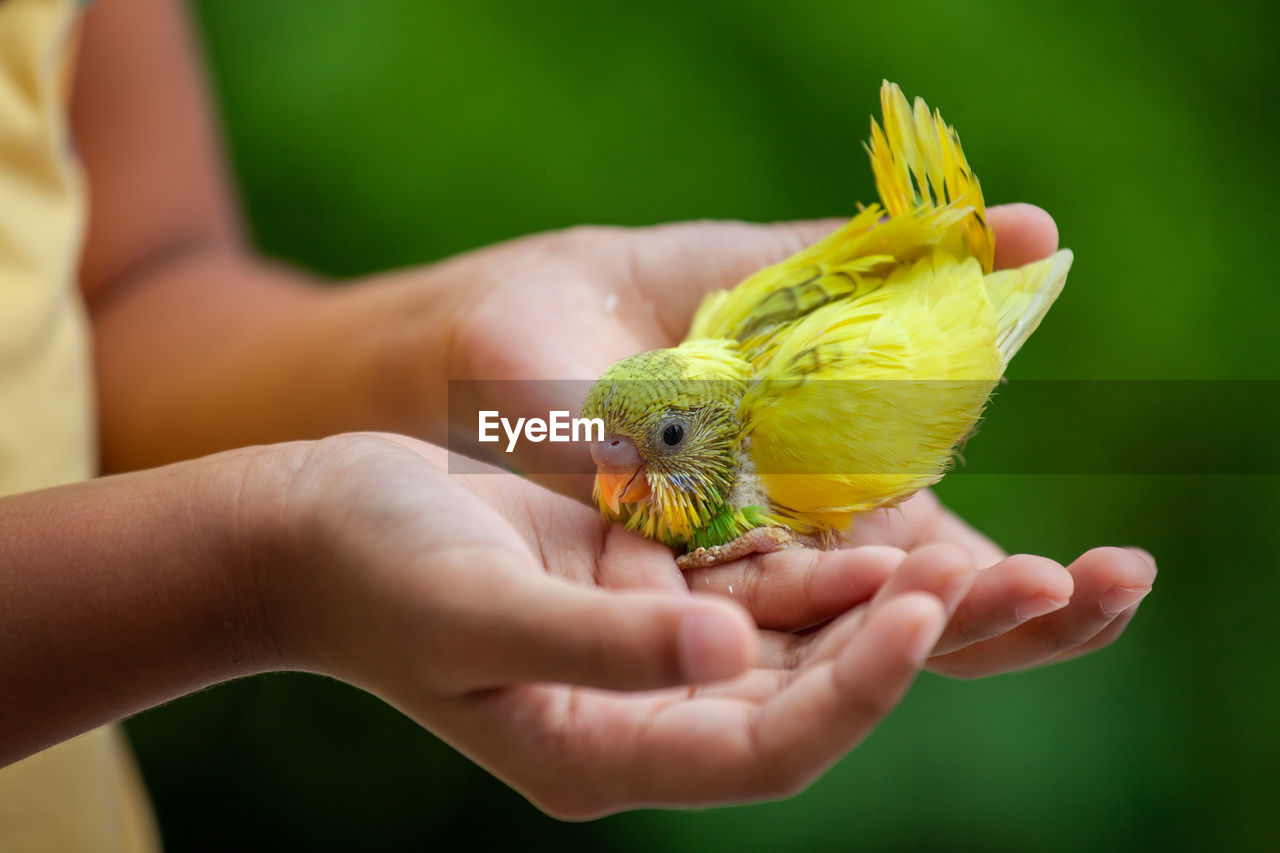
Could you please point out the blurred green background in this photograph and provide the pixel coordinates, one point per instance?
(369, 135)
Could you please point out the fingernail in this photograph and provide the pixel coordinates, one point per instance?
(1118, 599)
(926, 640)
(1144, 554)
(1038, 605)
(710, 646)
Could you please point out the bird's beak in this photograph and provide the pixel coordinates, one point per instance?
(620, 472)
(623, 487)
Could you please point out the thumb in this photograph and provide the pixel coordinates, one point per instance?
(684, 261)
(721, 254)
(1024, 233)
(680, 263)
(713, 254)
(556, 631)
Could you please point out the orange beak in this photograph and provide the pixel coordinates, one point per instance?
(620, 472)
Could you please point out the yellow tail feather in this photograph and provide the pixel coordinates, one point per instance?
(918, 162)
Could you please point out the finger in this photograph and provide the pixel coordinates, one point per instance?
(923, 520)
(1102, 639)
(754, 687)
(718, 746)
(1108, 582)
(830, 707)
(943, 571)
(1024, 233)
(691, 259)
(719, 254)
(792, 589)
(1013, 591)
(629, 561)
(556, 631)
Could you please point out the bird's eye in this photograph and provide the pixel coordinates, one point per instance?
(673, 435)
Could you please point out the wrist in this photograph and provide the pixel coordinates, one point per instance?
(403, 326)
(263, 546)
(309, 542)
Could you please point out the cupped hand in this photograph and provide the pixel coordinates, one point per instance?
(570, 658)
(567, 305)
(1022, 610)
(545, 315)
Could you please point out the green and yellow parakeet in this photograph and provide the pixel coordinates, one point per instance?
(836, 382)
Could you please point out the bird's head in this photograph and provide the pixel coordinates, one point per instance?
(672, 434)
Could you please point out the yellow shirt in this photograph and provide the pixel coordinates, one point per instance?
(84, 794)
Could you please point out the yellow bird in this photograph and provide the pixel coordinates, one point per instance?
(838, 381)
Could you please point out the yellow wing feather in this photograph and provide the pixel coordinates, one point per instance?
(849, 262)
(918, 162)
(1021, 297)
(931, 200)
(861, 403)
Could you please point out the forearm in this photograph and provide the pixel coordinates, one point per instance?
(213, 349)
(121, 593)
(200, 345)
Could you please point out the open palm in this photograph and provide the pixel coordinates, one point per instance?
(570, 658)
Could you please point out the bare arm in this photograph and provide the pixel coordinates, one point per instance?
(119, 594)
(474, 608)
(200, 345)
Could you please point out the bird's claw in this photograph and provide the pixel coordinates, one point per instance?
(758, 540)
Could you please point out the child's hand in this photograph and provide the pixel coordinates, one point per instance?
(611, 292)
(513, 623)
(566, 305)
(504, 617)
(1022, 610)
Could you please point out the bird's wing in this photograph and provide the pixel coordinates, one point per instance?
(918, 162)
(1022, 297)
(778, 294)
(931, 200)
(848, 263)
(862, 402)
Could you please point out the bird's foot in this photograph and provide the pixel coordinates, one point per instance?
(758, 540)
